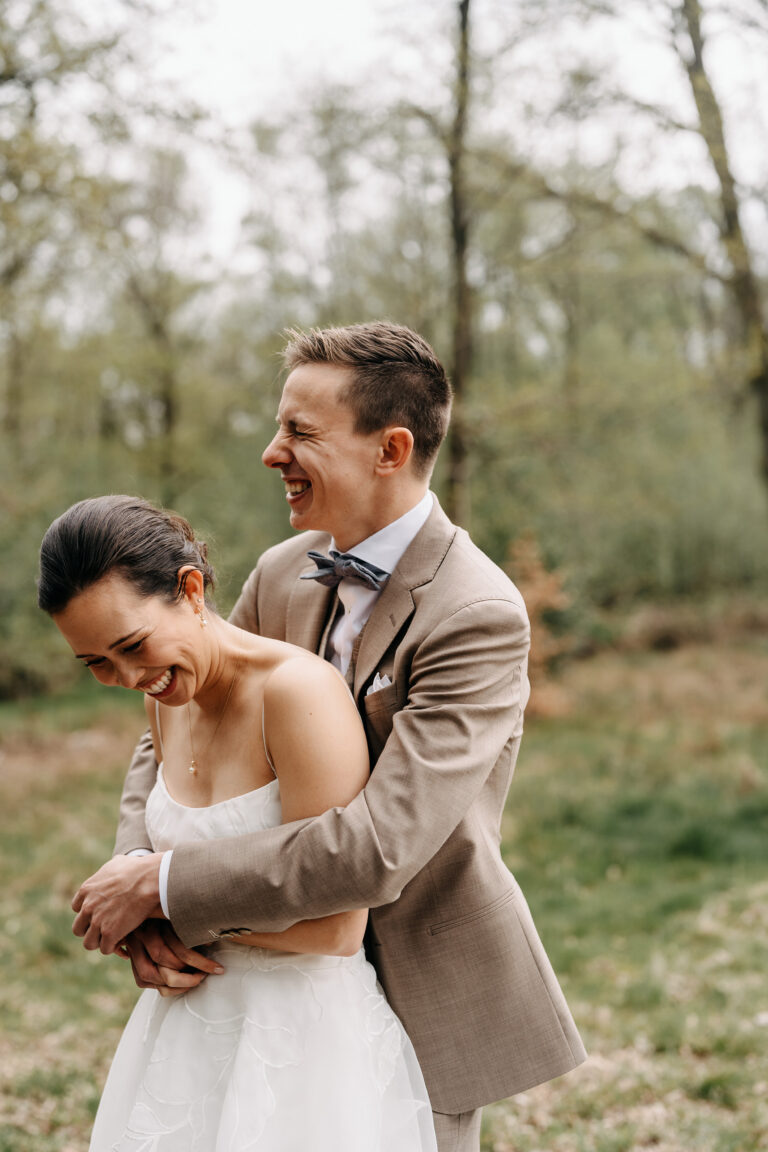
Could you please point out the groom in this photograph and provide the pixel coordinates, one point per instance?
(434, 649)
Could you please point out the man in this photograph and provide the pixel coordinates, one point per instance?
(433, 639)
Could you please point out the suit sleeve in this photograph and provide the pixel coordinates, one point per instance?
(131, 828)
(468, 689)
(245, 613)
(142, 771)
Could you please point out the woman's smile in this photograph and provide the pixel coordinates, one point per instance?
(162, 686)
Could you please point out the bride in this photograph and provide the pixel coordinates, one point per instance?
(293, 1046)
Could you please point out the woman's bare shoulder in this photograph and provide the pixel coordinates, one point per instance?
(265, 654)
(314, 736)
(300, 671)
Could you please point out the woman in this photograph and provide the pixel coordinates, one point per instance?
(293, 1048)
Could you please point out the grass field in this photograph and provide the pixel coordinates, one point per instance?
(637, 826)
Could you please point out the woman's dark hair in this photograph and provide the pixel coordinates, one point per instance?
(122, 534)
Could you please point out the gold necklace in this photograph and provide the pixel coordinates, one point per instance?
(193, 763)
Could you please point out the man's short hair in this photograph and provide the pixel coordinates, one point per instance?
(397, 380)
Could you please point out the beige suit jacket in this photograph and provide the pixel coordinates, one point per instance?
(450, 933)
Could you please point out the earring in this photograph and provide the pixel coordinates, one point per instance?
(199, 611)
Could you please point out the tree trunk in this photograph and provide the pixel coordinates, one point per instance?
(14, 392)
(155, 318)
(458, 500)
(168, 401)
(570, 302)
(743, 282)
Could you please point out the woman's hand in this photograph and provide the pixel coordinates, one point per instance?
(155, 951)
(177, 983)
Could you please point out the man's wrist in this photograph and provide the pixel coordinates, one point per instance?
(149, 884)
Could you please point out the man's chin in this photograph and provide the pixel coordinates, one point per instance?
(300, 521)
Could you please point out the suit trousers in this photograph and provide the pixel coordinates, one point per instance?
(459, 1132)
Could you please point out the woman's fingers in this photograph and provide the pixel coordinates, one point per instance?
(153, 945)
(185, 957)
(179, 981)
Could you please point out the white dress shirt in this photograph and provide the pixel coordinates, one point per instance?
(384, 549)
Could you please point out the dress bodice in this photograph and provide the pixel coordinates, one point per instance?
(170, 823)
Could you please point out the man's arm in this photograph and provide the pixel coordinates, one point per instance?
(142, 773)
(245, 613)
(467, 693)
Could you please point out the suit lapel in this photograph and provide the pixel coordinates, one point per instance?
(392, 609)
(417, 566)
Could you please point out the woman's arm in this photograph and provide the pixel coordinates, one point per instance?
(316, 741)
(337, 935)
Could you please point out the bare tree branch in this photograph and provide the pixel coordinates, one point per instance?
(431, 119)
(543, 188)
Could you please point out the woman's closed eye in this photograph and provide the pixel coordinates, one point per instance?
(96, 661)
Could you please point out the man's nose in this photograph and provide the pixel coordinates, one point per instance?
(276, 452)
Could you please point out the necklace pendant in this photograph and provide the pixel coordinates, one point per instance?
(192, 769)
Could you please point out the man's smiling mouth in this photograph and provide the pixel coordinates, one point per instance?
(296, 488)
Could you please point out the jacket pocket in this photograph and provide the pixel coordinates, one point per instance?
(477, 914)
(383, 700)
(379, 708)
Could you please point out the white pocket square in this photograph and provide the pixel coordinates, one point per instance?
(379, 682)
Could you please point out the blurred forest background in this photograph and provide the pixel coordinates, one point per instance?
(588, 261)
(569, 199)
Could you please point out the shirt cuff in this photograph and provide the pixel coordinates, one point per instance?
(165, 866)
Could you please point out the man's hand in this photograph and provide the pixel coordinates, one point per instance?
(160, 960)
(116, 899)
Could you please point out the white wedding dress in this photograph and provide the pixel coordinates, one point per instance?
(283, 1053)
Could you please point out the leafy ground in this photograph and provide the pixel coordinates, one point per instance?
(637, 825)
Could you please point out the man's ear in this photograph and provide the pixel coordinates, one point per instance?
(395, 449)
(193, 583)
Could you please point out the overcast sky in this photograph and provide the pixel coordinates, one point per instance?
(245, 59)
(242, 56)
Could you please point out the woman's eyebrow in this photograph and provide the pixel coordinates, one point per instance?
(117, 643)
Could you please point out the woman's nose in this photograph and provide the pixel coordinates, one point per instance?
(129, 677)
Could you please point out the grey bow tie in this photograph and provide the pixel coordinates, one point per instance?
(337, 566)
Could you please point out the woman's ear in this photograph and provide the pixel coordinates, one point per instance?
(395, 450)
(191, 584)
